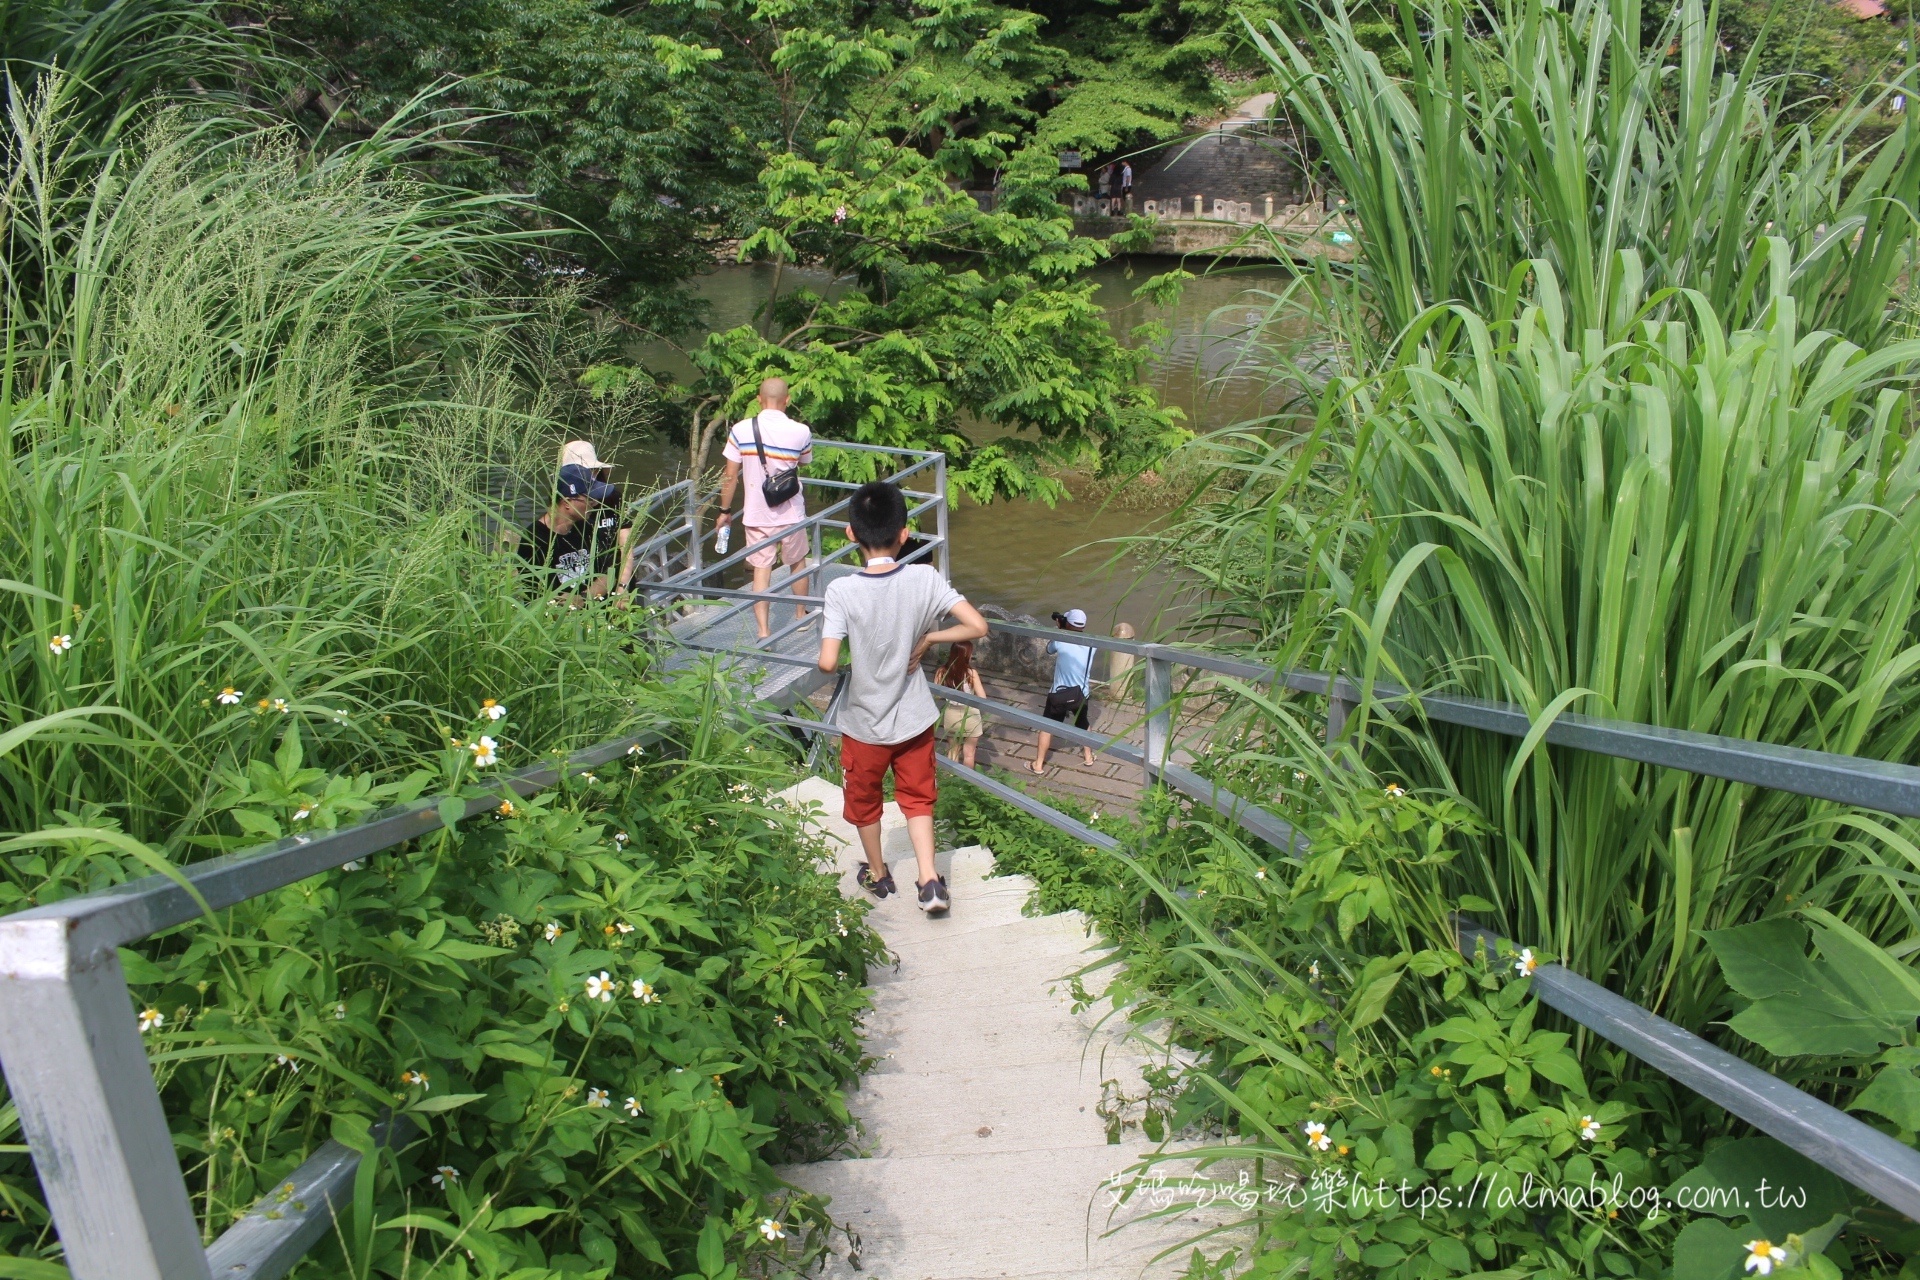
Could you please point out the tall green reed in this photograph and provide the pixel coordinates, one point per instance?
(1527, 130)
(1618, 427)
(254, 405)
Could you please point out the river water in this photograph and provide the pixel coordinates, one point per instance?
(1021, 554)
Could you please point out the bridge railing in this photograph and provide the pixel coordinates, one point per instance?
(679, 570)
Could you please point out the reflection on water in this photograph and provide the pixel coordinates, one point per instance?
(1023, 555)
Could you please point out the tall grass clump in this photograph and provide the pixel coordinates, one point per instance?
(1568, 133)
(254, 404)
(1622, 429)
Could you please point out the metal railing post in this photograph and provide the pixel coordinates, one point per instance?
(940, 515)
(694, 557)
(1338, 709)
(70, 1042)
(1159, 695)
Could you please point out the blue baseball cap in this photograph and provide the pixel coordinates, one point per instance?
(576, 481)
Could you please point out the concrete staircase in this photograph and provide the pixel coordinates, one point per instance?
(984, 1151)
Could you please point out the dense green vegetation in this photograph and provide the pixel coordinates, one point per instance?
(264, 411)
(829, 136)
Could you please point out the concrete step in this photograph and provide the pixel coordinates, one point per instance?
(983, 1151)
(1007, 1213)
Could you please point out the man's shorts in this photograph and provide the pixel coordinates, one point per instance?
(1062, 703)
(864, 764)
(792, 548)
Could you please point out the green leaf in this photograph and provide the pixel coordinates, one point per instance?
(711, 1251)
(452, 809)
(1798, 1025)
(1708, 1250)
(32, 1269)
(520, 1215)
(512, 1052)
(1768, 1183)
(1371, 1004)
(445, 1102)
(1895, 1094)
(1451, 1254)
(461, 949)
(1764, 959)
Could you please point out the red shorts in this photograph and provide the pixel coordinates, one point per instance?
(864, 764)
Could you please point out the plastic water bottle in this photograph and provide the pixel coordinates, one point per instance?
(721, 539)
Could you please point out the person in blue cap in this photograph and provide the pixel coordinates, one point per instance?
(1072, 686)
(570, 553)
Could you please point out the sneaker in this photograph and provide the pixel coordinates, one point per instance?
(878, 888)
(933, 896)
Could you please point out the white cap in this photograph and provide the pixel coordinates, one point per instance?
(1076, 618)
(579, 453)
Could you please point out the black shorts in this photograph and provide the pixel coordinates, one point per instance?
(1062, 703)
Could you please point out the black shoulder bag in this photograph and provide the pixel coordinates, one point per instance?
(777, 487)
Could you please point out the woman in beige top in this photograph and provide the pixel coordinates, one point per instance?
(962, 726)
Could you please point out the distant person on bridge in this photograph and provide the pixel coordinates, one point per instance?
(887, 614)
(1126, 184)
(1072, 686)
(769, 449)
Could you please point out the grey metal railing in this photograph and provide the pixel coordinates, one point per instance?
(78, 1072)
(1862, 1155)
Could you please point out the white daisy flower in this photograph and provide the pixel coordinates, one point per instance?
(492, 710)
(60, 644)
(623, 926)
(1317, 1136)
(636, 750)
(600, 987)
(302, 814)
(1589, 1128)
(1259, 873)
(1526, 964)
(446, 1176)
(588, 777)
(416, 1078)
(280, 705)
(350, 866)
(772, 1230)
(1313, 971)
(230, 697)
(620, 839)
(779, 1019)
(340, 1013)
(553, 930)
(633, 1106)
(283, 1060)
(597, 1098)
(151, 1018)
(1763, 1256)
(483, 752)
(643, 992)
(1395, 791)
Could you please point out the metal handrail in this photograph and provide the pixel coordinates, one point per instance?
(79, 1076)
(1822, 775)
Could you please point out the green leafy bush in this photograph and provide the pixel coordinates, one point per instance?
(608, 1007)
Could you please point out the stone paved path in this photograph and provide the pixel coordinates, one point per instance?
(984, 1153)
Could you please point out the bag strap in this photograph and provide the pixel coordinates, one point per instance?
(759, 447)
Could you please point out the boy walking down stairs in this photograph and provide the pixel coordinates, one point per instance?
(887, 613)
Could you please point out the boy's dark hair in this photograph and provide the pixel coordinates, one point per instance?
(877, 512)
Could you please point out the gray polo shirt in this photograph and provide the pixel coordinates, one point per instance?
(883, 615)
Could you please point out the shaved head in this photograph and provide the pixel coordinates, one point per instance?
(773, 392)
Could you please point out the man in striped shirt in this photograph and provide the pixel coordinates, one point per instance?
(782, 443)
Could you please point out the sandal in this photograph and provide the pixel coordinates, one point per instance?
(878, 888)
